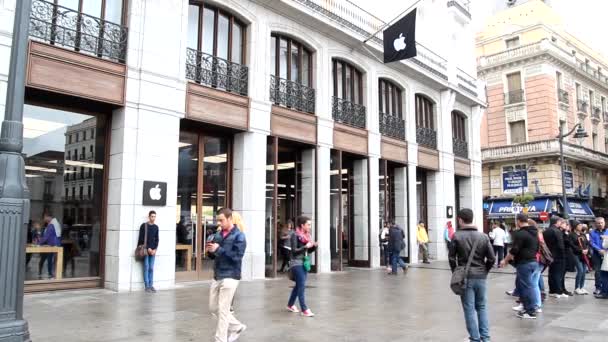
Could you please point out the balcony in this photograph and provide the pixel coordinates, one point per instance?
(216, 72)
(82, 156)
(348, 113)
(426, 137)
(462, 6)
(596, 114)
(514, 97)
(64, 27)
(392, 126)
(292, 95)
(461, 148)
(581, 106)
(47, 197)
(562, 96)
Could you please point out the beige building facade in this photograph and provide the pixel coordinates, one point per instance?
(541, 81)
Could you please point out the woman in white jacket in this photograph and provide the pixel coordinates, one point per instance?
(498, 235)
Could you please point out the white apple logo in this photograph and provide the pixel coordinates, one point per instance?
(399, 43)
(155, 193)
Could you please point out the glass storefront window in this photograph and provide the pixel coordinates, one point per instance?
(60, 221)
(187, 196)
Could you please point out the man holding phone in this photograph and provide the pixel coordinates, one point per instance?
(227, 248)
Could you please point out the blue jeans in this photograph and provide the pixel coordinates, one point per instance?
(527, 284)
(298, 290)
(474, 305)
(396, 261)
(581, 270)
(50, 264)
(387, 255)
(604, 283)
(149, 270)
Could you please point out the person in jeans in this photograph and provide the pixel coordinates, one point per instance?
(580, 247)
(301, 245)
(396, 244)
(474, 300)
(50, 237)
(598, 253)
(554, 239)
(498, 242)
(226, 249)
(523, 253)
(152, 246)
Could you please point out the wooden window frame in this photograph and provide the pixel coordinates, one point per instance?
(301, 48)
(232, 19)
(359, 86)
(425, 110)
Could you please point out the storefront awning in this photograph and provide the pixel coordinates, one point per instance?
(579, 209)
(505, 208)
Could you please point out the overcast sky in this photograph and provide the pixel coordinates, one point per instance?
(583, 18)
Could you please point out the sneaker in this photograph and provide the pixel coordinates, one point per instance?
(293, 309)
(601, 296)
(404, 270)
(563, 295)
(308, 313)
(585, 292)
(539, 310)
(147, 289)
(554, 295)
(235, 335)
(518, 308)
(596, 292)
(526, 315)
(509, 293)
(568, 293)
(578, 291)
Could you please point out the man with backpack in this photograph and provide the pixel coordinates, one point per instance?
(395, 245)
(471, 246)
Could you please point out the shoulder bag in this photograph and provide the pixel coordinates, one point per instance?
(460, 276)
(543, 255)
(142, 250)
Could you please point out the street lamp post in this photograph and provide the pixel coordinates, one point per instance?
(580, 134)
(14, 194)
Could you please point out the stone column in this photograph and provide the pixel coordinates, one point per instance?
(323, 206)
(361, 210)
(308, 189)
(144, 145)
(374, 211)
(401, 203)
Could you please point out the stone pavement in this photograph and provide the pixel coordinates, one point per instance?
(357, 305)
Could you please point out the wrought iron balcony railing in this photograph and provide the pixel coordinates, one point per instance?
(515, 96)
(596, 113)
(426, 137)
(460, 147)
(581, 105)
(563, 96)
(216, 72)
(348, 113)
(65, 27)
(292, 94)
(392, 126)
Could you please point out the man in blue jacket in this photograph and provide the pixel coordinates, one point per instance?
(227, 248)
(51, 237)
(599, 253)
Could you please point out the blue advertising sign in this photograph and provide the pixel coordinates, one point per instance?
(514, 181)
(569, 180)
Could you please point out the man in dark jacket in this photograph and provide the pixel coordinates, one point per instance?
(227, 248)
(396, 244)
(523, 253)
(151, 244)
(474, 300)
(554, 238)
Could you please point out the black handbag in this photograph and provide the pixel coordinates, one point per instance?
(142, 250)
(460, 277)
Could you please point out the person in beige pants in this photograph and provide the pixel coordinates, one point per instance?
(227, 249)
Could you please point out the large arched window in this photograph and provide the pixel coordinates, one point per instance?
(347, 106)
(215, 32)
(459, 136)
(216, 51)
(390, 105)
(425, 123)
(291, 74)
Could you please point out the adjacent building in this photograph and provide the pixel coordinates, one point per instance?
(541, 81)
(274, 108)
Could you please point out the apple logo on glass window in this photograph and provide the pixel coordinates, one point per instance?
(155, 193)
(399, 43)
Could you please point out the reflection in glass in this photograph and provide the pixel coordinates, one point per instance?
(208, 30)
(77, 219)
(187, 185)
(113, 11)
(283, 55)
(222, 38)
(193, 27)
(237, 43)
(270, 206)
(295, 54)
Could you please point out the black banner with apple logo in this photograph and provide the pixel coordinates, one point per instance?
(400, 39)
(155, 193)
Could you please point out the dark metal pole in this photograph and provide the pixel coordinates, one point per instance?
(561, 157)
(14, 194)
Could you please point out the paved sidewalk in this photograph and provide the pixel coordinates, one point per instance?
(353, 306)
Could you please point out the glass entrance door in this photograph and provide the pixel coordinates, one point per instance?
(203, 188)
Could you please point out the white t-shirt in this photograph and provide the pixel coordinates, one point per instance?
(499, 236)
